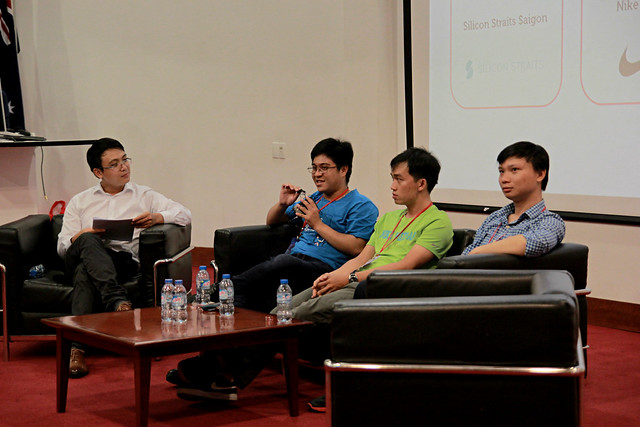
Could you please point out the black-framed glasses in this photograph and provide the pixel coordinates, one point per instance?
(322, 168)
(119, 164)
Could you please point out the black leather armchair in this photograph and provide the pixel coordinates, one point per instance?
(474, 347)
(164, 252)
(572, 257)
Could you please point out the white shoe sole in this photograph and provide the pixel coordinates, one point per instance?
(188, 393)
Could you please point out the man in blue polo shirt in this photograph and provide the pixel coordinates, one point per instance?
(524, 227)
(336, 223)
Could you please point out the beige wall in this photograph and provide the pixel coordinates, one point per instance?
(197, 91)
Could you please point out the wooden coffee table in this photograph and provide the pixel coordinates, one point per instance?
(141, 335)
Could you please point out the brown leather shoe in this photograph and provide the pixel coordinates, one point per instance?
(124, 306)
(77, 365)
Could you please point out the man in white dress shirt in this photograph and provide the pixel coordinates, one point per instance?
(98, 265)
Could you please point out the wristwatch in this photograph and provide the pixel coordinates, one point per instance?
(352, 277)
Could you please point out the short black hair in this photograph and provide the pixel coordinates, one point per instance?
(421, 164)
(97, 149)
(532, 153)
(341, 152)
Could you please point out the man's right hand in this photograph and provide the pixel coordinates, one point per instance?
(288, 194)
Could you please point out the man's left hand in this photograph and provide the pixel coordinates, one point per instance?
(327, 283)
(147, 220)
(309, 211)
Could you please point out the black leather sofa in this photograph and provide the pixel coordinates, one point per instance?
(236, 249)
(32, 240)
(468, 347)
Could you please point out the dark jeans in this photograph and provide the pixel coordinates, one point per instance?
(97, 273)
(242, 363)
(361, 290)
(256, 288)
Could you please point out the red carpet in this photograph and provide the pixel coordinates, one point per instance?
(105, 397)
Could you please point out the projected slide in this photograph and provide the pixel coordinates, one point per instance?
(610, 48)
(506, 57)
(561, 73)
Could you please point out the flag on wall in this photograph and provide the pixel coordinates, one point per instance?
(9, 74)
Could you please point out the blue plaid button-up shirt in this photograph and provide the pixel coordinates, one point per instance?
(542, 229)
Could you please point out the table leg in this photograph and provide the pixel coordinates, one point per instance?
(291, 374)
(142, 373)
(63, 353)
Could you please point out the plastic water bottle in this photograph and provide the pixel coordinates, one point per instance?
(179, 302)
(166, 300)
(203, 286)
(283, 299)
(226, 296)
(36, 271)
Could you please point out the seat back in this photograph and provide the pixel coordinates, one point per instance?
(462, 237)
(236, 249)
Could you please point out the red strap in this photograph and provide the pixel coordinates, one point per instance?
(62, 206)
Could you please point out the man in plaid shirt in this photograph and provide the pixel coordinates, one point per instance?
(524, 227)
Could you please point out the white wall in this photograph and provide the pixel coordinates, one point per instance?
(197, 91)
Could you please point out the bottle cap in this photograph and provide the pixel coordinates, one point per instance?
(203, 267)
(178, 282)
(226, 276)
(168, 280)
(284, 281)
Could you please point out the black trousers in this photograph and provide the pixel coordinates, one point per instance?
(256, 288)
(97, 273)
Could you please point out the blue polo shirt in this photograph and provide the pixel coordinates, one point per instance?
(352, 214)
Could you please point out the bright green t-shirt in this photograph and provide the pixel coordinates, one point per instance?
(432, 230)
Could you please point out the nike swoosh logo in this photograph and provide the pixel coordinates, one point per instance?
(628, 68)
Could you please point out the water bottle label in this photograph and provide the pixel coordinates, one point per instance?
(163, 300)
(223, 295)
(206, 284)
(36, 272)
(284, 298)
(178, 301)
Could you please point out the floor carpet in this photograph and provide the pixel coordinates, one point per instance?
(105, 397)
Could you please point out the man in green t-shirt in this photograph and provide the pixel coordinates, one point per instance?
(416, 236)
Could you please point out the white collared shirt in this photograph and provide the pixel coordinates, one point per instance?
(132, 201)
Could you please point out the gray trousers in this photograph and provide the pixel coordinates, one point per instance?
(318, 309)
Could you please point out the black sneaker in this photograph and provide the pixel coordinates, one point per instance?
(213, 392)
(319, 404)
(173, 376)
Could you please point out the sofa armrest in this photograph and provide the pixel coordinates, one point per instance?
(236, 249)
(160, 242)
(450, 283)
(23, 244)
(572, 257)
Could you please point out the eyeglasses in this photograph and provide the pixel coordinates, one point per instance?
(119, 164)
(322, 168)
